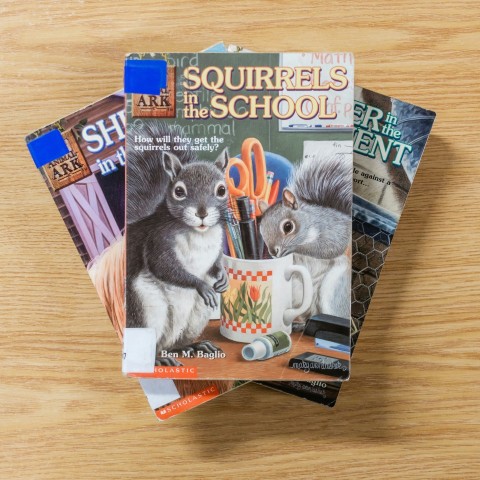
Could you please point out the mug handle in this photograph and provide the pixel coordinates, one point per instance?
(291, 313)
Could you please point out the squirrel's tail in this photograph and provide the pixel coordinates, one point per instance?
(147, 180)
(326, 181)
(107, 272)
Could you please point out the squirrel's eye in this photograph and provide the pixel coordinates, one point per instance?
(288, 227)
(221, 191)
(179, 192)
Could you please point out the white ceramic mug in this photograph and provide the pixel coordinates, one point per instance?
(258, 300)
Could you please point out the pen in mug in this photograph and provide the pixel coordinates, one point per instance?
(234, 231)
(258, 235)
(247, 229)
(253, 208)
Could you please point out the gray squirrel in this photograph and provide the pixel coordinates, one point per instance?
(313, 222)
(175, 212)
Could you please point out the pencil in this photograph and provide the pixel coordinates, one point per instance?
(232, 203)
(234, 233)
(230, 244)
(238, 239)
(274, 192)
(269, 185)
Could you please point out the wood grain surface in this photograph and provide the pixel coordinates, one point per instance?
(411, 409)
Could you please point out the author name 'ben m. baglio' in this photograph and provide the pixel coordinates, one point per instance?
(190, 354)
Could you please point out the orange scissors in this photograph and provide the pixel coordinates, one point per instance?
(246, 185)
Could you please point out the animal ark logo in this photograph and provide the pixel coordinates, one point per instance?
(162, 105)
(70, 168)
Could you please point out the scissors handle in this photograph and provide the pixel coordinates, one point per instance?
(244, 183)
(258, 190)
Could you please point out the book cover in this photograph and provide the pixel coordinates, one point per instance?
(239, 191)
(389, 139)
(419, 123)
(88, 187)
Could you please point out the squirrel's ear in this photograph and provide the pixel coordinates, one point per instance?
(222, 160)
(289, 199)
(263, 206)
(171, 164)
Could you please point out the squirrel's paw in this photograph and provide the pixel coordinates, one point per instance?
(208, 294)
(222, 283)
(167, 362)
(205, 346)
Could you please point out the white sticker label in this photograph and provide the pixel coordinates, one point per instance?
(139, 349)
(159, 392)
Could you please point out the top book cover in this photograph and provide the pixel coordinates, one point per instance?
(238, 223)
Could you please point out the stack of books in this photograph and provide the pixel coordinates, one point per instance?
(234, 211)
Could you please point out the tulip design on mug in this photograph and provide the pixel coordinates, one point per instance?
(248, 305)
(254, 292)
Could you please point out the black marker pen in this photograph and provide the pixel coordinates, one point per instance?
(247, 229)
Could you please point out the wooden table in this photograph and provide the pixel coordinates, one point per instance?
(411, 409)
(239, 368)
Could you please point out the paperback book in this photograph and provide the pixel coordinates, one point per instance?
(385, 129)
(88, 187)
(389, 139)
(168, 398)
(239, 197)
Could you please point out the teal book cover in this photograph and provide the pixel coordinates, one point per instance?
(389, 140)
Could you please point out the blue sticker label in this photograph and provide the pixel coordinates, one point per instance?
(47, 148)
(145, 76)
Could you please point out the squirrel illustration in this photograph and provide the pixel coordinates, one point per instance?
(313, 222)
(175, 211)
